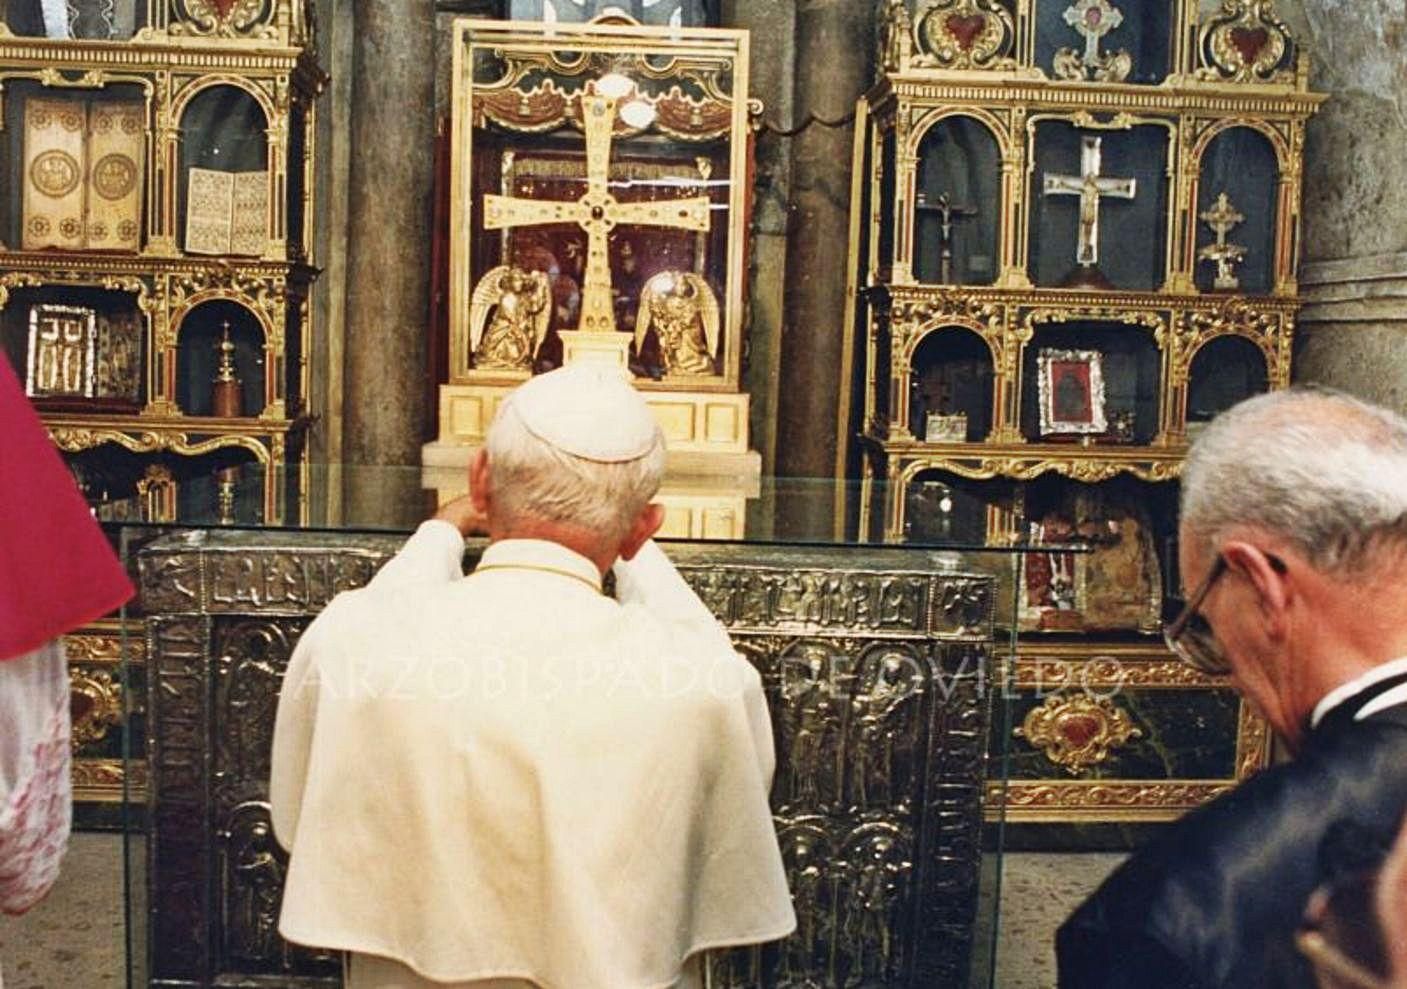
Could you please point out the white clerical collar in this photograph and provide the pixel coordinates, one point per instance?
(539, 556)
(1360, 683)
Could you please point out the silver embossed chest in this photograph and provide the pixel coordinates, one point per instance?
(875, 664)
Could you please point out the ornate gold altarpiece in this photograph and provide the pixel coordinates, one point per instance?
(600, 188)
(875, 662)
(1094, 203)
(99, 133)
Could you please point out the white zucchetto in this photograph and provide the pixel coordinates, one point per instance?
(590, 411)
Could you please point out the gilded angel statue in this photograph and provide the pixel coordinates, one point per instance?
(680, 307)
(509, 315)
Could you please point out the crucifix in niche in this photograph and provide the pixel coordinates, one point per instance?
(1091, 187)
(1222, 218)
(1092, 20)
(598, 213)
(946, 213)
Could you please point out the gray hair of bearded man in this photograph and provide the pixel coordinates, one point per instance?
(1319, 468)
(532, 479)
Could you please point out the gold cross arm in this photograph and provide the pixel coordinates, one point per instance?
(507, 211)
(682, 214)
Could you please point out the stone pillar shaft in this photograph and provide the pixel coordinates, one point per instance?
(389, 230)
(833, 55)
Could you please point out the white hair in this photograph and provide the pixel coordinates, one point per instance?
(1322, 469)
(532, 479)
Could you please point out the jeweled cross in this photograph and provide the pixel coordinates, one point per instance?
(597, 213)
(1091, 187)
(1093, 19)
(1222, 217)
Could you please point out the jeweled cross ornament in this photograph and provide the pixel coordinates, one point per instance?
(1093, 19)
(1091, 187)
(1222, 217)
(597, 213)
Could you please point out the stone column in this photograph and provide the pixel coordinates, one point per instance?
(834, 50)
(388, 251)
(389, 230)
(772, 73)
(1353, 330)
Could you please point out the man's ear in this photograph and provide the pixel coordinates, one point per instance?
(647, 523)
(1272, 579)
(480, 488)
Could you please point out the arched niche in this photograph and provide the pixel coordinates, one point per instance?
(958, 189)
(951, 373)
(940, 507)
(1130, 366)
(224, 128)
(1133, 233)
(1224, 371)
(198, 357)
(1241, 163)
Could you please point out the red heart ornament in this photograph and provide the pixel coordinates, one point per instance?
(1078, 729)
(1250, 42)
(965, 28)
(223, 7)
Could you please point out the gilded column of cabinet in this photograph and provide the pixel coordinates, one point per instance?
(279, 126)
(1290, 213)
(161, 240)
(905, 194)
(1009, 223)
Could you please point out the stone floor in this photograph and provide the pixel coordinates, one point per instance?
(74, 939)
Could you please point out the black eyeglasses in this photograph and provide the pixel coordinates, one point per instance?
(1191, 638)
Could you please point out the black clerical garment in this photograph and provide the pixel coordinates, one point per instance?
(1214, 902)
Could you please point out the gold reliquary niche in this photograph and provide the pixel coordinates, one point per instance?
(600, 195)
(1096, 41)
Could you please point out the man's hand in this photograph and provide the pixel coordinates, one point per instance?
(462, 514)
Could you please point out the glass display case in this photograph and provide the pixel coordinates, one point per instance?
(598, 210)
(918, 760)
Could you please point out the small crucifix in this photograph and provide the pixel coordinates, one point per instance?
(1222, 217)
(947, 212)
(1091, 187)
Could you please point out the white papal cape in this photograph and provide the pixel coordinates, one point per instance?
(511, 776)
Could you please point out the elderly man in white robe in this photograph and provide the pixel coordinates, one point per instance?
(511, 779)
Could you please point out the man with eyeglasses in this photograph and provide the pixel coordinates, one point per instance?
(1293, 541)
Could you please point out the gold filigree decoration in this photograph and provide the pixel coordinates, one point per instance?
(95, 699)
(225, 18)
(910, 321)
(964, 34)
(896, 45)
(1233, 317)
(1076, 731)
(1245, 42)
(1121, 798)
(1103, 673)
(73, 440)
(1153, 320)
(1252, 743)
(101, 780)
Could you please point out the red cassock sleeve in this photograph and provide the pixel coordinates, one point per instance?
(57, 570)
